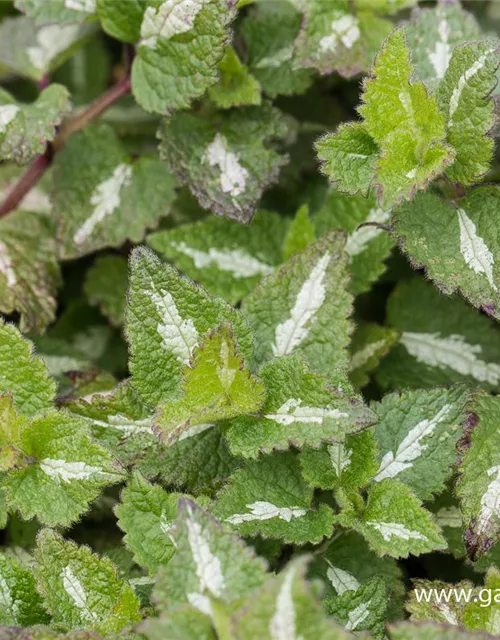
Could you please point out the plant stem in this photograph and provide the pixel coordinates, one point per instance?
(25, 183)
(42, 162)
(93, 111)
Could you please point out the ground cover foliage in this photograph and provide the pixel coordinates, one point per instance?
(249, 339)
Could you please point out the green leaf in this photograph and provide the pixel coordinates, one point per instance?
(23, 374)
(200, 462)
(383, 109)
(479, 469)
(449, 518)
(433, 33)
(146, 514)
(450, 612)
(348, 158)
(106, 287)
(122, 19)
(29, 271)
(222, 255)
(268, 497)
(26, 128)
(210, 566)
(121, 423)
(301, 234)
(215, 386)
(177, 58)
(4, 512)
(479, 617)
(304, 308)
(349, 466)
(11, 426)
(348, 563)
(407, 163)
(80, 589)
(167, 316)
(361, 609)
(64, 470)
(430, 631)
(368, 246)
(300, 409)
(227, 159)
(32, 52)
(20, 604)
(464, 90)
(269, 31)
(333, 38)
(405, 122)
(418, 432)
(237, 87)
(60, 357)
(443, 341)
(181, 623)
(36, 199)
(61, 11)
(386, 6)
(456, 242)
(41, 632)
(394, 522)
(286, 606)
(369, 344)
(102, 199)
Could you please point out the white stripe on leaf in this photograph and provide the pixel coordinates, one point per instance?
(7, 113)
(7, 600)
(62, 470)
(345, 30)
(179, 336)
(449, 615)
(283, 623)
(167, 526)
(358, 240)
(86, 6)
(362, 356)
(292, 411)
(474, 249)
(200, 602)
(490, 501)
(397, 530)
(358, 615)
(341, 580)
(171, 18)
(127, 425)
(76, 592)
(275, 60)
(6, 266)
(51, 39)
(225, 372)
(237, 262)
(340, 457)
(462, 82)
(441, 55)
(233, 176)
(104, 199)
(452, 352)
(411, 447)
(195, 430)
(208, 565)
(262, 510)
(294, 331)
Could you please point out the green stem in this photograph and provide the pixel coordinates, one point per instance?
(221, 620)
